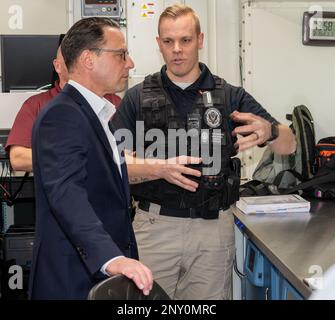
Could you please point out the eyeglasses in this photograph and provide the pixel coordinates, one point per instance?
(122, 52)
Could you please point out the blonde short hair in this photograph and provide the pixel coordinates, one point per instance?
(178, 10)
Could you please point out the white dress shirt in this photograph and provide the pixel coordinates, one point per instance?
(104, 111)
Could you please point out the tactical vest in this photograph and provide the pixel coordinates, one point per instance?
(159, 112)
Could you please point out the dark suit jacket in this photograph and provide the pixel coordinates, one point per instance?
(82, 204)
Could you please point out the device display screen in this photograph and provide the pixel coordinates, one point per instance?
(103, 2)
(251, 261)
(322, 28)
(16, 50)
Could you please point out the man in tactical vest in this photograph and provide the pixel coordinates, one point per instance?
(183, 224)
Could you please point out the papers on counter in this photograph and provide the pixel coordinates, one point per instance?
(273, 204)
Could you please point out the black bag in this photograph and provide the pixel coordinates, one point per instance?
(300, 165)
(322, 185)
(257, 188)
(308, 160)
(303, 128)
(324, 151)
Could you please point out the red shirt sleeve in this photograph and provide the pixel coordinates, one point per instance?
(21, 131)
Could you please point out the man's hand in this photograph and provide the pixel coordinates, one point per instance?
(255, 130)
(134, 270)
(174, 170)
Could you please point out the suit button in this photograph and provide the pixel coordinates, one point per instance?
(82, 253)
(128, 245)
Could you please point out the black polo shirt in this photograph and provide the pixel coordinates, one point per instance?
(237, 99)
(184, 99)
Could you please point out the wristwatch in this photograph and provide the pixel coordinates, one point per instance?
(274, 131)
(274, 134)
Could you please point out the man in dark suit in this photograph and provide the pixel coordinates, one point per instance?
(83, 224)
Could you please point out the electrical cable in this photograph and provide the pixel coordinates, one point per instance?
(7, 195)
(238, 272)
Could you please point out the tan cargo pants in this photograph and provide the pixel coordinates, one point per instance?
(189, 258)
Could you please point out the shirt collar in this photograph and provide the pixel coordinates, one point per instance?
(94, 101)
(204, 82)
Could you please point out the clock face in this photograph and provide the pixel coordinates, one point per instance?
(319, 28)
(322, 28)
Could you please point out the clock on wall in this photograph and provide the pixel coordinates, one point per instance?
(319, 28)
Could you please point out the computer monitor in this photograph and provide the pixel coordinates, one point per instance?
(26, 61)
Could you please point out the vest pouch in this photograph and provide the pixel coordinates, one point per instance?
(233, 182)
(210, 198)
(204, 202)
(190, 199)
(208, 204)
(209, 215)
(232, 187)
(155, 116)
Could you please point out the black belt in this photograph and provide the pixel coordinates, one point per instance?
(170, 212)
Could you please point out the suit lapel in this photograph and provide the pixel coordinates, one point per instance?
(123, 169)
(101, 134)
